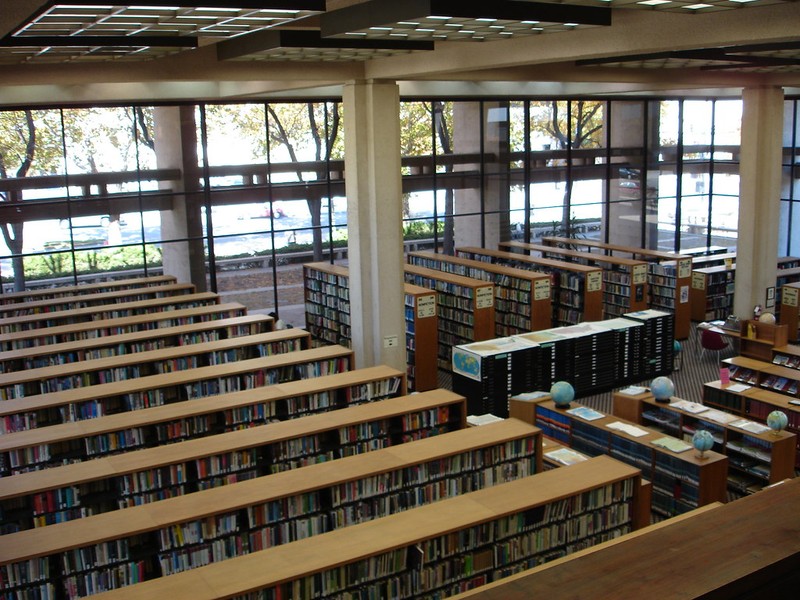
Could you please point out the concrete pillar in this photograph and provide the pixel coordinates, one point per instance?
(374, 222)
(176, 148)
(626, 123)
(492, 193)
(759, 198)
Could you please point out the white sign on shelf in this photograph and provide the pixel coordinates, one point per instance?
(426, 306)
(484, 297)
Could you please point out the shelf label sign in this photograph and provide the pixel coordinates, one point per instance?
(484, 297)
(426, 306)
(594, 281)
(789, 296)
(698, 281)
(684, 268)
(639, 274)
(541, 289)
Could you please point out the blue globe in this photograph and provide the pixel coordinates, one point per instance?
(562, 393)
(777, 420)
(702, 440)
(663, 389)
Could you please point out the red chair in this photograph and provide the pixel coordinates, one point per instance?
(713, 342)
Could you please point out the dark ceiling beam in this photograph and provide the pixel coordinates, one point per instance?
(374, 13)
(272, 39)
(94, 41)
(726, 53)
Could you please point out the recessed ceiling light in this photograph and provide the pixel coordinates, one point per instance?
(655, 2)
(696, 6)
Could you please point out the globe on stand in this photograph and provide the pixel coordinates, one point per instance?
(777, 421)
(562, 393)
(768, 318)
(663, 389)
(702, 440)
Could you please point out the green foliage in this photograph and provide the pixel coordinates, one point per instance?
(421, 229)
(59, 264)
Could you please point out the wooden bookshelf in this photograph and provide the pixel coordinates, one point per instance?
(681, 480)
(767, 336)
(85, 288)
(416, 547)
(625, 287)
(755, 458)
(106, 311)
(47, 355)
(50, 447)
(422, 338)
(719, 259)
(789, 302)
(753, 403)
(767, 375)
(327, 303)
(624, 567)
(522, 297)
(48, 305)
(108, 484)
(786, 277)
(116, 326)
(712, 290)
(466, 308)
(669, 276)
(217, 524)
(44, 380)
(155, 390)
(577, 290)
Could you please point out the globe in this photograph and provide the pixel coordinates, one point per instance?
(777, 421)
(562, 393)
(663, 389)
(702, 440)
(768, 318)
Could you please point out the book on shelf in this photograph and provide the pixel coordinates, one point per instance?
(672, 444)
(627, 428)
(586, 413)
(565, 456)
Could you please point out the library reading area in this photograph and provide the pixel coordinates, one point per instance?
(366, 299)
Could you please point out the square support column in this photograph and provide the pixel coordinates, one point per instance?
(759, 198)
(374, 222)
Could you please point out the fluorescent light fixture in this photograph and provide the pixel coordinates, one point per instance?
(696, 6)
(431, 17)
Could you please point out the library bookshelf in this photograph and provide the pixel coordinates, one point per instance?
(625, 287)
(771, 375)
(327, 305)
(48, 355)
(422, 337)
(757, 339)
(669, 276)
(48, 305)
(712, 290)
(466, 308)
(746, 401)
(106, 311)
(577, 290)
(624, 567)
(85, 373)
(85, 288)
(116, 326)
(788, 314)
(63, 446)
(118, 482)
(441, 548)
(95, 401)
(522, 297)
(370, 480)
(756, 458)
(681, 480)
(713, 287)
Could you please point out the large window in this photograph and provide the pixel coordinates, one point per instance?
(258, 188)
